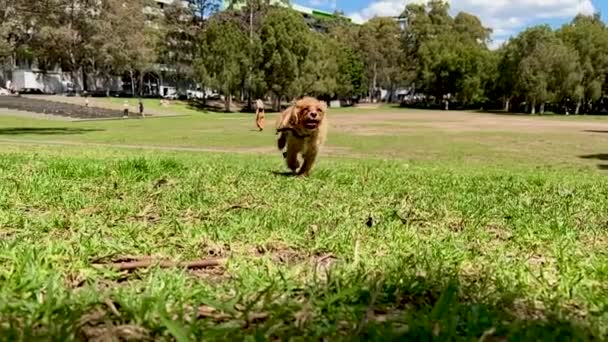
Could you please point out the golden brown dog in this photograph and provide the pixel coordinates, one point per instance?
(303, 129)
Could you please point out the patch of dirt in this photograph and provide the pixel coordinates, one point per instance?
(457, 122)
(149, 214)
(528, 310)
(6, 233)
(206, 312)
(75, 280)
(498, 232)
(280, 253)
(214, 250)
(97, 326)
(457, 225)
(212, 274)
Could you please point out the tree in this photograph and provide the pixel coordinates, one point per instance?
(253, 13)
(179, 49)
(284, 37)
(71, 25)
(447, 56)
(123, 43)
(510, 82)
(588, 35)
(379, 44)
(317, 73)
(351, 79)
(224, 61)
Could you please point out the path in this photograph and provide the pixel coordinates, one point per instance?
(257, 150)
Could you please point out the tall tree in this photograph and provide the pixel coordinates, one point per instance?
(252, 12)
(124, 44)
(449, 55)
(9, 22)
(511, 85)
(284, 37)
(71, 25)
(179, 44)
(588, 35)
(225, 60)
(379, 44)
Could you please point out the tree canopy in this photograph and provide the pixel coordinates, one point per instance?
(257, 48)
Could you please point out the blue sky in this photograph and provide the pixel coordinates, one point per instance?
(506, 17)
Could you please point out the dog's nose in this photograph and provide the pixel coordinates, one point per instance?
(313, 115)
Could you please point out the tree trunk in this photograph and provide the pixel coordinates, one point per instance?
(507, 104)
(578, 108)
(374, 83)
(447, 104)
(85, 83)
(132, 83)
(533, 107)
(228, 102)
(542, 108)
(250, 76)
(141, 84)
(278, 103)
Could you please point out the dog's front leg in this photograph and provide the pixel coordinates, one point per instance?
(309, 159)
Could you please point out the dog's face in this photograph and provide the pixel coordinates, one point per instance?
(310, 113)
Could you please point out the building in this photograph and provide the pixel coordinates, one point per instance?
(26, 76)
(312, 16)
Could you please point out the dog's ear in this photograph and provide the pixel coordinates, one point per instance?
(287, 120)
(323, 106)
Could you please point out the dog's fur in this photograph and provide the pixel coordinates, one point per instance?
(302, 128)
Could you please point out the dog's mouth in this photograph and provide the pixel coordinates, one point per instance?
(311, 124)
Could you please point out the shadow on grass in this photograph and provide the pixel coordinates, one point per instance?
(388, 307)
(596, 131)
(598, 156)
(287, 174)
(46, 130)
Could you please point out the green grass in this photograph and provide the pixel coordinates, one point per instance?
(451, 253)
(410, 236)
(408, 137)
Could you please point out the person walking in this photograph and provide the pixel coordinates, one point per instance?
(141, 108)
(260, 114)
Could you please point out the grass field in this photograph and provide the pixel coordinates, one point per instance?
(414, 225)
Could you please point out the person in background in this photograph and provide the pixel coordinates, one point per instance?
(125, 113)
(141, 108)
(260, 113)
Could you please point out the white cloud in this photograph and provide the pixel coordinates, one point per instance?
(505, 17)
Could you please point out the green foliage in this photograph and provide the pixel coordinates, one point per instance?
(450, 54)
(225, 58)
(379, 44)
(279, 54)
(286, 46)
(589, 37)
(444, 257)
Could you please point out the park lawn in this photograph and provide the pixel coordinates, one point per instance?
(380, 249)
(379, 134)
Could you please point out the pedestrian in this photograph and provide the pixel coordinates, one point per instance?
(260, 113)
(141, 108)
(125, 113)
